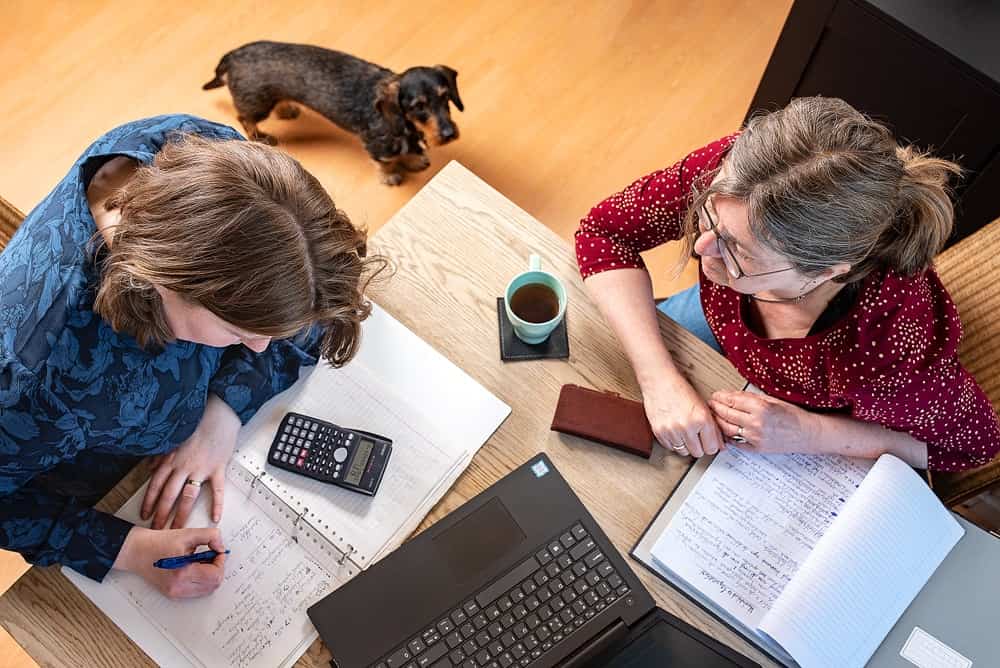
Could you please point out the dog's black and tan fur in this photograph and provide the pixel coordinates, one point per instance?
(392, 113)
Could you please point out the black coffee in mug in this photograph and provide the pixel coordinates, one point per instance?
(534, 302)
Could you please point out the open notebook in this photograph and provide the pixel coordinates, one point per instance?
(814, 559)
(294, 540)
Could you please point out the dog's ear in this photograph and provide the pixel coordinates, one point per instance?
(452, 77)
(387, 97)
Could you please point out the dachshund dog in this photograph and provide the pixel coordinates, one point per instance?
(394, 114)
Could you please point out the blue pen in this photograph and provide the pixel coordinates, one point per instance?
(171, 563)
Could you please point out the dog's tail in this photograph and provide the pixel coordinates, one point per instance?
(220, 71)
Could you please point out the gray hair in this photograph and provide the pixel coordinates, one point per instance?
(825, 184)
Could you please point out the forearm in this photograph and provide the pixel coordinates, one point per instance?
(842, 435)
(222, 414)
(625, 297)
(127, 557)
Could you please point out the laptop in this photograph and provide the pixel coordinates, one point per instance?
(520, 575)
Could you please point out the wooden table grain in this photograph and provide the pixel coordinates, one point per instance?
(455, 245)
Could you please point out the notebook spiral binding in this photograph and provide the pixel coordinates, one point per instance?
(300, 523)
(344, 555)
(295, 524)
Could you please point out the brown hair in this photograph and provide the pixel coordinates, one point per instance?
(243, 230)
(826, 185)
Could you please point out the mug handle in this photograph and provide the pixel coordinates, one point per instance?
(534, 263)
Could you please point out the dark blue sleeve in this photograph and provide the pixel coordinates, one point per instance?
(246, 380)
(37, 434)
(146, 136)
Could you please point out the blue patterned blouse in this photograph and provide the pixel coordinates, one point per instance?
(79, 403)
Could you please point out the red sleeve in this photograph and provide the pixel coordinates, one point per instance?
(646, 214)
(908, 376)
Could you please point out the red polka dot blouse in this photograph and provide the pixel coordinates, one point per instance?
(892, 359)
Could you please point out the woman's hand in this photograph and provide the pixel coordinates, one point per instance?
(680, 419)
(765, 423)
(202, 458)
(142, 547)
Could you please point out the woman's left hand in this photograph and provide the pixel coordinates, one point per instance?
(766, 424)
(201, 459)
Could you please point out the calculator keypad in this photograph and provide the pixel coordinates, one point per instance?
(323, 451)
(313, 448)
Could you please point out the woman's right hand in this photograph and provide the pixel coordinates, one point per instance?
(681, 420)
(144, 546)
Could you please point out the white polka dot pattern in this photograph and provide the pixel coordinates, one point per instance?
(892, 360)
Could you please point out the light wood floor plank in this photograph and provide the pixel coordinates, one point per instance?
(566, 102)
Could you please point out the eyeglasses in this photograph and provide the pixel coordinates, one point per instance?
(728, 257)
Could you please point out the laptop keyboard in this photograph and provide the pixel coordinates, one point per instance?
(524, 614)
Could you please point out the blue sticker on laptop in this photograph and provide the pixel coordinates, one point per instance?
(540, 468)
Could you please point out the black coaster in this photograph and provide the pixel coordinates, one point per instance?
(513, 348)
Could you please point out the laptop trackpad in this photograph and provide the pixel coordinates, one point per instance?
(472, 545)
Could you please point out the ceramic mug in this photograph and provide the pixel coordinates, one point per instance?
(539, 307)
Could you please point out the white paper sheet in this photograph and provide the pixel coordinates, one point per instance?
(751, 521)
(863, 573)
(811, 553)
(430, 382)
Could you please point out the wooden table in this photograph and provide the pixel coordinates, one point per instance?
(455, 246)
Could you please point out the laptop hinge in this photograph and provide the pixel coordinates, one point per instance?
(612, 634)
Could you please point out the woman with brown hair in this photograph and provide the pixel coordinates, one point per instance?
(816, 234)
(173, 282)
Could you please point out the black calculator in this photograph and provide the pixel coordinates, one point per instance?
(323, 451)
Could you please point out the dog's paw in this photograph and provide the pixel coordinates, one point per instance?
(392, 178)
(286, 111)
(416, 162)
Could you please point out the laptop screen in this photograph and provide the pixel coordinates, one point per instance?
(662, 645)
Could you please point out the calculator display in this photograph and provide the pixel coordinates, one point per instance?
(359, 462)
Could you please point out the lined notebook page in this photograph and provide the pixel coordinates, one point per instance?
(428, 380)
(749, 523)
(257, 617)
(421, 461)
(890, 537)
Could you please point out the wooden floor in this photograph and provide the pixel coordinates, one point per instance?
(565, 102)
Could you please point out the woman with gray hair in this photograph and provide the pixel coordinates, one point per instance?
(816, 233)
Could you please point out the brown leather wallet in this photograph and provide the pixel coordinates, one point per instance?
(604, 417)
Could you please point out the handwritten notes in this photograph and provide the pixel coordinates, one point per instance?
(257, 616)
(891, 536)
(816, 557)
(751, 521)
